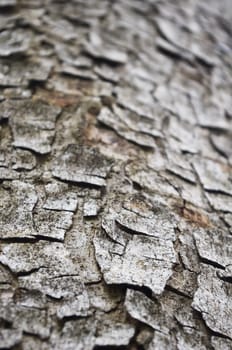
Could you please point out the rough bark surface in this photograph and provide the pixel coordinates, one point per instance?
(115, 174)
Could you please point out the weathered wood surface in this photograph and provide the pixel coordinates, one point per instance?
(116, 174)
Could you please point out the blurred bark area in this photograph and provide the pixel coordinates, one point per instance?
(115, 174)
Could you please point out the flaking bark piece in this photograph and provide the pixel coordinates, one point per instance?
(52, 224)
(162, 342)
(13, 42)
(19, 73)
(18, 200)
(228, 220)
(160, 225)
(78, 305)
(13, 161)
(77, 72)
(10, 337)
(141, 103)
(59, 197)
(32, 123)
(213, 300)
(223, 144)
(91, 208)
(214, 176)
(117, 334)
(214, 246)
(8, 174)
(23, 160)
(103, 297)
(190, 338)
(150, 180)
(211, 116)
(109, 54)
(26, 257)
(220, 201)
(85, 333)
(28, 319)
(82, 165)
(221, 343)
(137, 260)
(148, 311)
(30, 342)
(48, 282)
(118, 124)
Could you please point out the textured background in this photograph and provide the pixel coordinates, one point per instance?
(116, 175)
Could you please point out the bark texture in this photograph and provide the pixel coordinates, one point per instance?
(115, 175)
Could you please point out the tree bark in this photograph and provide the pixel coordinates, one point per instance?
(116, 174)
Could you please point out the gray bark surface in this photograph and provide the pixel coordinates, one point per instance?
(115, 175)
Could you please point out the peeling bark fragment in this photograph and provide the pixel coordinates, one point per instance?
(107, 73)
(33, 124)
(59, 28)
(211, 116)
(13, 42)
(30, 343)
(10, 337)
(6, 278)
(52, 224)
(26, 257)
(150, 180)
(78, 305)
(188, 253)
(72, 56)
(213, 300)
(179, 102)
(147, 311)
(17, 93)
(30, 320)
(82, 164)
(162, 315)
(50, 282)
(138, 204)
(15, 160)
(91, 208)
(106, 53)
(228, 220)
(221, 343)
(214, 246)
(173, 33)
(75, 335)
(89, 332)
(19, 74)
(8, 174)
(159, 225)
(81, 73)
(220, 201)
(223, 144)
(162, 342)
(59, 197)
(184, 282)
(141, 104)
(152, 259)
(23, 160)
(117, 335)
(191, 339)
(18, 200)
(214, 176)
(118, 122)
(103, 297)
(185, 174)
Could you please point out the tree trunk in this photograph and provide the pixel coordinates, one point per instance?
(116, 174)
